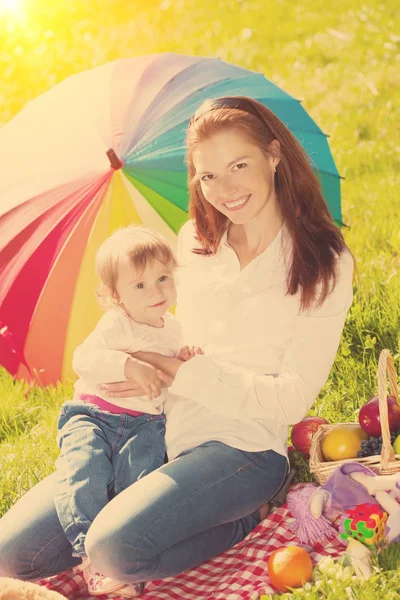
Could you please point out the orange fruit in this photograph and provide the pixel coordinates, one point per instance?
(343, 442)
(289, 567)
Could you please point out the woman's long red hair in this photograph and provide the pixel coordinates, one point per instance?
(316, 239)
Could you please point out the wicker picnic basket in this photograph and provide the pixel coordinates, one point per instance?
(384, 463)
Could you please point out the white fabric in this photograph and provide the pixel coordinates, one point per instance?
(59, 137)
(264, 361)
(102, 356)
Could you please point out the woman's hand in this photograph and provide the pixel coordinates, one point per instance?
(145, 375)
(167, 367)
(164, 367)
(122, 389)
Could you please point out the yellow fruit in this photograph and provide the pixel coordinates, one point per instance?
(343, 442)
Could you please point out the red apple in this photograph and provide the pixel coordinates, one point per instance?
(303, 433)
(369, 418)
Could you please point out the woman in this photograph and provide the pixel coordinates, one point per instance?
(264, 288)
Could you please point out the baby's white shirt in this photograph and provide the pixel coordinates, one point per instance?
(102, 356)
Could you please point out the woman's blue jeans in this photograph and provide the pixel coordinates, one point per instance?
(184, 513)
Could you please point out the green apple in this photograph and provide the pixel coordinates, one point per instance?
(396, 445)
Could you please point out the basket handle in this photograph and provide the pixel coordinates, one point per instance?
(386, 364)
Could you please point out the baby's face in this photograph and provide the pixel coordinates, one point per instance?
(146, 295)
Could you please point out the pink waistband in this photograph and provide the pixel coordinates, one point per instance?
(108, 406)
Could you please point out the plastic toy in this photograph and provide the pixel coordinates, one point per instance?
(365, 523)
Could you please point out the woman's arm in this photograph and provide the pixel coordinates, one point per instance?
(285, 398)
(168, 366)
(166, 369)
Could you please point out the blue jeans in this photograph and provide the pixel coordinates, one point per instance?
(182, 514)
(101, 454)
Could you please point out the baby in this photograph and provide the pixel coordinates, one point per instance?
(106, 446)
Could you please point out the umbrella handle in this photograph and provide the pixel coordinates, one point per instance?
(115, 162)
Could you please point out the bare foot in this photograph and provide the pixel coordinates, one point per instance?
(280, 496)
(264, 510)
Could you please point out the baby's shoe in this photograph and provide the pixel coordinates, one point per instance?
(97, 583)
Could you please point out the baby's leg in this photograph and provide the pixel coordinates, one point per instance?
(84, 475)
(141, 451)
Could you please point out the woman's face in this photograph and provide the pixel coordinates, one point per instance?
(236, 177)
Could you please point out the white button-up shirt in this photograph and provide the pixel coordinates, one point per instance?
(265, 359)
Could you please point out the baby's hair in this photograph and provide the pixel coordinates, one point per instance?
(140, 245)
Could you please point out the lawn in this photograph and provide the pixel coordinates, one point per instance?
(343, 62)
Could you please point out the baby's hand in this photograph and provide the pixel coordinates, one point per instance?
(187, 352)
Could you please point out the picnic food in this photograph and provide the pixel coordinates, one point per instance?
(373, 445)
(303, 432)
(289, 567)
(343, 442)
(396, 444)
(369, 416)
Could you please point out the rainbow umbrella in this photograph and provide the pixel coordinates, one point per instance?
(102, 149)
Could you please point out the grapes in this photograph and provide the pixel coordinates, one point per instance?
(373, 445)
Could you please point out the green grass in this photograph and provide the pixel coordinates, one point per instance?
(380, 585)
(28, 425)
(343, 61)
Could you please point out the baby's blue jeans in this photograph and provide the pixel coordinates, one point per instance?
(101, 454)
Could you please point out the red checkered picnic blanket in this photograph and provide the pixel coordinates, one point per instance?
(240, 573)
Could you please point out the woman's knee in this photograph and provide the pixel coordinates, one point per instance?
(7, 568)
(11, 553)
(22, 557)
(32, 542)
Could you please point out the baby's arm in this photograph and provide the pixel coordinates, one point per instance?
(97, 359)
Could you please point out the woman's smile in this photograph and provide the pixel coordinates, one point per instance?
(237, 204)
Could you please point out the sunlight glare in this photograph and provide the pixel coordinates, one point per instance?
(13, 6)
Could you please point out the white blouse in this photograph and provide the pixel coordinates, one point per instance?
(264, 361)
